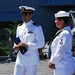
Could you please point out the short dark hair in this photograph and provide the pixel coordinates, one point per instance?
(66, 19)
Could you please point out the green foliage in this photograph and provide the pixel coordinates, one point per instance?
(12, 29)
(4, 49)
(4, 39)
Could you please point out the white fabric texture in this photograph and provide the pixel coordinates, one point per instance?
(61, 53)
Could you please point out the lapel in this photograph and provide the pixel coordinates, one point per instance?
(22, 30)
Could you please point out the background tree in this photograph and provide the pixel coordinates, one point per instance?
(6, 40)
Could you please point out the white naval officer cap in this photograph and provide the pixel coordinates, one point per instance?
(62, 14)
(26, 9)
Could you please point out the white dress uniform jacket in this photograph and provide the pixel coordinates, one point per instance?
(61, 53)
(33, 36)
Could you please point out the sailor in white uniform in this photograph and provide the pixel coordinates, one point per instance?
(61, 47)
(32, 38)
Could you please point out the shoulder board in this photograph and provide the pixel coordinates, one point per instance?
(35, 24)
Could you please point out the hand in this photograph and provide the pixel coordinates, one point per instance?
(23, 44)
(16, 47)
(51, 66)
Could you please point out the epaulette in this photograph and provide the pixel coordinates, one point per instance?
(36, 24)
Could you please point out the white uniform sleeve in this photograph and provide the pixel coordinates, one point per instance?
(62, 46)
(39, 43)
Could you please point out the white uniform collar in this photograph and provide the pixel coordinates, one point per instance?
(67, 28)
(29, 23)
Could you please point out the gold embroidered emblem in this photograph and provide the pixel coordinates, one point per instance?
(22, 9)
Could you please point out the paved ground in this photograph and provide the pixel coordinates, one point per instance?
(8, 68)
(42, 69)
